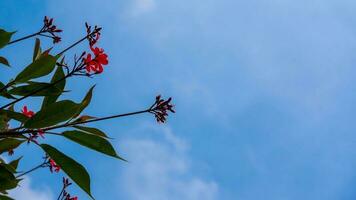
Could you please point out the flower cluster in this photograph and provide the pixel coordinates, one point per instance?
(53, 166)
(94, 63)
(28, 113)
(65, 195)
(48, 27)
(34, 135)
(93, 36)
(160, 109)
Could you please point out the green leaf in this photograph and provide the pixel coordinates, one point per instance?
(15, 163)
(49, 90)
(83, 118)
(8, 144)
(86, 101)
(5, 37)
(37, 49)
(91, 141)
(73, 169)
(53, 114)
(7, 179)
(91, 130)
(5, 93)
(58, 75)
(14, 115)
(41, 67)
(3, 197)
(3, 123)
(4, 61)
(9, 167)
(3, 192)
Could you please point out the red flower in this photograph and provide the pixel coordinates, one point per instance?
(48, 27)
(53, 165)
(41, 133)
(27, 113)
(70, 198)
(56, 39)
(161, 108)
(96, 64)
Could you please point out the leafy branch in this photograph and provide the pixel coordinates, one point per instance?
(54, 114)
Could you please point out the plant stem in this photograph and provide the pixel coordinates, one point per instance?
(50, 85)
(79, 41)
(24, 38)
(95, 120)
(35, 92)
(12, 133)
(6, 86)
(31, 170)
(60, 194)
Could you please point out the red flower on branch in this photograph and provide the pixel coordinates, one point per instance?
(48, 27)
(92, 38)
(56, 39)
(27, 113)
(96, 64)
(160, 109)
(71, 198)
(41, 133)
(53, 166)
(33, 136)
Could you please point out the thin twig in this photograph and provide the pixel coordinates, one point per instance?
(24, 38)
(50, 85)
(79, 41)
(14, 133)
(35, 92)
(33, 169)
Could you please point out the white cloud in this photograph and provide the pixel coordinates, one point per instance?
(26, 192)
(140, 7)
(160, 169)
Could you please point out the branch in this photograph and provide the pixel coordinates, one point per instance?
(79, 41)
(12, 133)
(34, 92)
(24, 38)
(52, 84)
(33, 169)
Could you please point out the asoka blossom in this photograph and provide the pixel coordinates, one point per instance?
(48, 27)
(27, 113)
(33, 136)
(53, 166)
(71, 198)
(161, 108)
(96, 64)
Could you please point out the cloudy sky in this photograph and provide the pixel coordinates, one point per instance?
(263, 92)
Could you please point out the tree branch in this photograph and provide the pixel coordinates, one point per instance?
(19, 133)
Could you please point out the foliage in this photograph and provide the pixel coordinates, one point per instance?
(62, 118)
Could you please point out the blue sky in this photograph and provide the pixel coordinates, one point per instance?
(263, 93)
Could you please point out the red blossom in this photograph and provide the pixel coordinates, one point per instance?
(54, 166)
(41, 133)
(48, 27)
(160, 109)
(96, 64)
(32, 138)
(93, 36)
(27, 113)
(56, 39)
